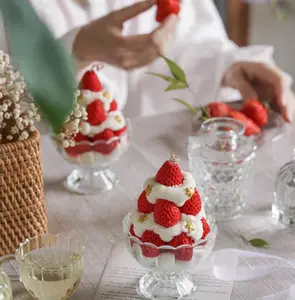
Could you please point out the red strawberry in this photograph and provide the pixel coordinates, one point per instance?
(120, 132)
(250, 127)
(153, 238)
(166, 213)
(193, 205)
(185, 254)
(170, 174)
(131, 230)
(80, 137)
(91, 82)
(105, 147)
(218, 109)
(166, 8)
(113, 106)
(96, 113)
(78, 150)
(206, 228)
(143, 205)
(256, 111)
(105, 135)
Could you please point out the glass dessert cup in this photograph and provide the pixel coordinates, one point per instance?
(167, 277)
(93, 159)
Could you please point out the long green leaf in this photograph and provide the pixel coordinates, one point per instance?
(41, 59)
(167, 78)
(191, 108)
(176, 70)
(176, 86)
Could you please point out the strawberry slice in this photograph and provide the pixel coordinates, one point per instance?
(206, 228)
(185, 254)
(91, 82)
(78, 150)
(153, 238)
(96, 113)
(81, 138)
(256, 111)
(103, 146)
(120, 131)
(250, 127)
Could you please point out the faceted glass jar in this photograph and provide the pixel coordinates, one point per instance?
(283, 208)
(221, 160)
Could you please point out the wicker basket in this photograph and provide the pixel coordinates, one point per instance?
(22, 206)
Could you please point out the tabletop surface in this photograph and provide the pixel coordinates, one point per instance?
(96, 219)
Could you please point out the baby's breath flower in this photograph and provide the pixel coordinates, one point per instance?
(25, 135)
(7, 115)
(9, 138)
(65, 144)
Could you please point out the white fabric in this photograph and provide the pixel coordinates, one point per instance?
(201, 47)
(225, 264)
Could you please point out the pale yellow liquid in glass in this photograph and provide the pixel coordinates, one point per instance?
(5, 287)
(51, 274)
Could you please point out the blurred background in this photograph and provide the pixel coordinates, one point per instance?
(257, 22)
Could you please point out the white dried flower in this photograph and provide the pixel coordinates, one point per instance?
(9, 137)
(4, 107)
(61, 135)
(32, 128)
(25, 134)
(21, 126)
(7, 115)
(16, 113)
(38, 117)
(14, 130)
(65, 144)
(3, 125)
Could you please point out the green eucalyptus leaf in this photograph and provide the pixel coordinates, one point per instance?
(258, 243)
(42, 60)
(191, 108)
(176, 70)
(167, 78)
(176, 86)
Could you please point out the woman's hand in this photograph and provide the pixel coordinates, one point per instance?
(257, 81)
(102, 40)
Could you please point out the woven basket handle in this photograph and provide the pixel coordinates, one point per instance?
(6, 259)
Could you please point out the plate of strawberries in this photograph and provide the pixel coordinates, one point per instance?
(260, 121)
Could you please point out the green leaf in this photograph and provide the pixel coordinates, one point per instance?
(167, 78)
(42, 60)
(258, 243)
(176, 70)
(176, 86)
(191, 108)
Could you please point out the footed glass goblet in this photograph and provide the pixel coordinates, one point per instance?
(167, 277)
(92, 174)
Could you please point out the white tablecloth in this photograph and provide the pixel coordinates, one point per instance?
(96, 219)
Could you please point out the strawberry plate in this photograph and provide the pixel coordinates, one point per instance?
(271, 132)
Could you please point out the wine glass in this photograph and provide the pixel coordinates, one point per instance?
(93, 159)
(167, 277)
(50, 266)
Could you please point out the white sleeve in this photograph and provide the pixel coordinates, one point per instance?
(69, 38)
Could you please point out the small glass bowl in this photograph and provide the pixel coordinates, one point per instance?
(167, 277)
(93, 160)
